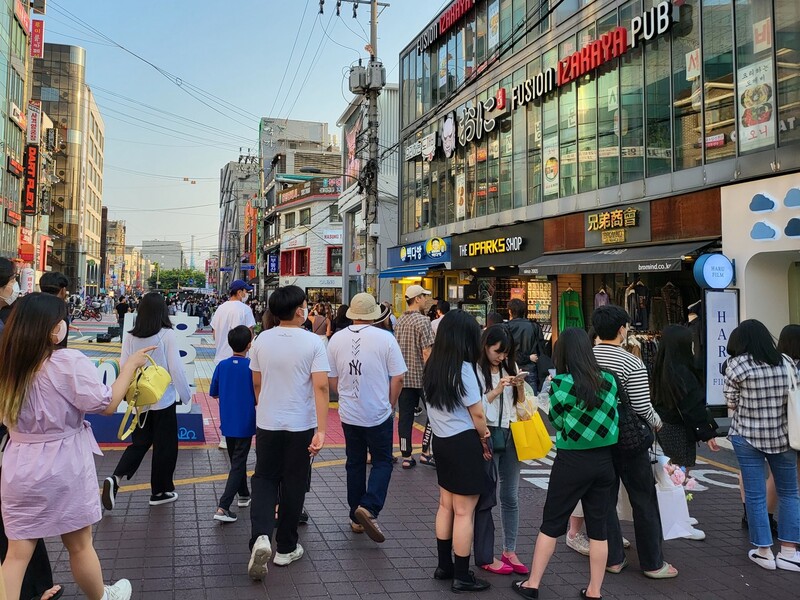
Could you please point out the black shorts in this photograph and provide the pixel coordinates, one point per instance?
(585, 475)
(459, 463)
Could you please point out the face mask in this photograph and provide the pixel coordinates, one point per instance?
(245, 298)
(58, 335)
(305, 314)
(13, 296)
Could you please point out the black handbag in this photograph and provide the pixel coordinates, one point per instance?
(497, 434)
(635, 434)
(703, 432)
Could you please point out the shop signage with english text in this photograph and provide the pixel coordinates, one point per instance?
(493, 246)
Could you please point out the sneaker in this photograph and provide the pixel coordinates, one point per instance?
(788, 564)
(303, 517)
(110, 490)
(356, 527)
(225, 516)
(244, 501)
(762, 561)
(223, 444)
(121, 590)
(286, 559)
(693, 521)
(259, 558)
(164, 498)
(626, 543)
(696, 534)
(370, 524)
(579, 543)
(417, 411)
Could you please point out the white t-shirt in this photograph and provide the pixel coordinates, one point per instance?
(448, 424)
(230, 314)
(492, 409)
(364, 357)
(435, 324)
(286, 357)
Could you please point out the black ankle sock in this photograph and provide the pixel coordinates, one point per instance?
(445, 551)
(461, 571)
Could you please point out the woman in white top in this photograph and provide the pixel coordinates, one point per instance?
(504, 391)
(158, 427)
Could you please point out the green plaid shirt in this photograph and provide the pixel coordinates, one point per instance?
(577, 428)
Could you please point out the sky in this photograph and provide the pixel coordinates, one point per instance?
(215, 67)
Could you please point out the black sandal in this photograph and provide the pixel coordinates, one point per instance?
(55, 596)
(585, 597)
(409, 463)
(525, 592)
(427, 460)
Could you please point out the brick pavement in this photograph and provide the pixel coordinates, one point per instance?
(177, 551)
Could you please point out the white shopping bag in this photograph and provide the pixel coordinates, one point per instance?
(671, 503)
(624, 509)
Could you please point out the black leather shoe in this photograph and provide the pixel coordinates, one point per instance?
(473, 584)
(525, 592)
(443, 574)
(585, 597)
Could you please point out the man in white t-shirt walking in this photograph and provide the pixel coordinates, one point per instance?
(290, 377)
(367, 369)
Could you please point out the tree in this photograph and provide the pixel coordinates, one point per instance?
(172, 279)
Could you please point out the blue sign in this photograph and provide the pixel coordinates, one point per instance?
(226, 269)
(248, 267)
(432, 251)
(713, 271)
(272, 264)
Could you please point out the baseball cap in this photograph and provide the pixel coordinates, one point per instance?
(413, 291)
(240, 284)
(363, 307)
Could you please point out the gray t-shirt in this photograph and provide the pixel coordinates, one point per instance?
(448, 424)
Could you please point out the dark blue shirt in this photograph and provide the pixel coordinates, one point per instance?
(232, 383)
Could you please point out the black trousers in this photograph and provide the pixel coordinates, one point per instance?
(282, 462)
(238, 451)
(160, 431)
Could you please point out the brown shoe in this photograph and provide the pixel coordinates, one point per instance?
(355, 527)
(370, 525)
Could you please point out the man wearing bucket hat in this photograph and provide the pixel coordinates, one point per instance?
(366, 368)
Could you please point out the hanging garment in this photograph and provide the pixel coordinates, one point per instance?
(658, 314)
(570, 313)
(674, 303)
(641, 316)
(630, 302)
(601, 299)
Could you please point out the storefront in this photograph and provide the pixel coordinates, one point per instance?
(422, 263)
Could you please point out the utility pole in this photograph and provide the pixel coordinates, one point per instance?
(369, 82)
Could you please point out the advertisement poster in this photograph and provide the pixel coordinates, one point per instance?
(754, 88)
(461, 196)
(37, 38)
(494, 24)
(550, 166)
(721, 318)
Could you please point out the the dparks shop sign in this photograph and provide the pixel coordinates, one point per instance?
(498, 247)
(448, 18)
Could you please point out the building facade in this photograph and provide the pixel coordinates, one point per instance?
(168, 254)
(581, 154)
(239, 188)
(115, 254)
(91, 190)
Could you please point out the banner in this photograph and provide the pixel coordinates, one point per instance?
(494, 25)
(754, 88)
(34, 122)
(37, 38)
(721, 318)
(550, 166)
(461, 196)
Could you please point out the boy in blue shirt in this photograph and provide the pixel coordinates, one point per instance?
(232, 384)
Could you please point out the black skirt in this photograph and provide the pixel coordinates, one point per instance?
(678, 443)
(459, 463)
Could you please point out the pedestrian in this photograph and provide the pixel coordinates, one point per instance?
(268, 320)
(122, 308)
(583, 411)
(633, 468)
(9, 289)
(290, 378)
(392, 318)
(494, 318)
(49, 484)
(789, 344)
(756, 388)
(340, 321)
(503, 393)
(367, 371)
(528, 340)
(232, 385)
(56, 284)
(321, 323)
(442, 308)
(158, 424)
(415, 336)
(461, 437)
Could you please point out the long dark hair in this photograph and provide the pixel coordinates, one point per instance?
(25, 345)
(573, 354)
(674, 355)
(498, 334)
(755, 339)
(153, 316)
(458, 340)
(789, 342)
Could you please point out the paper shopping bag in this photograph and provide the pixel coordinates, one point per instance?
(674, 512)
(531, 438)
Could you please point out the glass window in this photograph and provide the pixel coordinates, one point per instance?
(426, 81)
(550, 153)
(506, 150)
(418, 185)
(443, 71)
(335, 260)
(720, 111)
(538, 13)
(787, 47)
(534, 118)
(687, 91)
(631, 117)
(608, 106)
(587, 122)
(493, 20)
(419, 83)
(301, 261)
(505, 23)
(406, 85)
(433, 52)
(458, 57)
(451, 61)
(305, 216)
(289, 220)
(481, 33)
(333, 214)
(518, 24)
(657, 73)
(469, 45)
(287, 263)
(425, 220)
(568, 124)
(518, 145)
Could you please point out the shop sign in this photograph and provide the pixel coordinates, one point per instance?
(721, 318)
(451, 16)
(461, 196)
(332, 237)
(435, 248)
(550, 166)
(449, 135)
(37, 39)
(13, 218)
(714, 271)
(15, 114)
(755, 91)
(482, 118)
(413, 150)
(21, 12)
(491, 246)
(29, 199)
(14, 167)
(34, 121)
(296, 241)
(25, 235)
(428, 149)
(618, 226)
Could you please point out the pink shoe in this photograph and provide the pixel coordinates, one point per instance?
(519, 569)
(503, 570)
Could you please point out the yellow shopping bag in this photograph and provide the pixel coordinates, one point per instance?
(531, 438)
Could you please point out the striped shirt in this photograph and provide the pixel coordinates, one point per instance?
(633, 375)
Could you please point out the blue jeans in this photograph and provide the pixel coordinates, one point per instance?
(508, 467)
(378, 440)
(784, 470)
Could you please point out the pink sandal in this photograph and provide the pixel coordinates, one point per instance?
(518, 568)
(502, 570)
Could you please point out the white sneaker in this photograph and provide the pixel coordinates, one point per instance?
(788, 564)
(244, 501)
(626, 543)
(121, 590)
(580, 543)
(696, 535)
(762, 561)
(259, 557)
(286, 559)
(693, 521)
(223, 444)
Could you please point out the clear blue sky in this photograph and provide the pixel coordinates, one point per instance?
(234, 54)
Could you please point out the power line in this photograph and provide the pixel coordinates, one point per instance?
(156, 175)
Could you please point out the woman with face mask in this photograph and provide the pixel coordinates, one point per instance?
(48, 482)
(9, 289)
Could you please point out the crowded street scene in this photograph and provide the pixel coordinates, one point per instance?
(355, 300)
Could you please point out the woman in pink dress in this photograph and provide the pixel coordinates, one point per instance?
(48, 483)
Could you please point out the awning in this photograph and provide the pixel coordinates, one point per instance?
(639, 259)
(411, 271)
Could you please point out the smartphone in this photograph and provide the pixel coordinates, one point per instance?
(521, 375)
